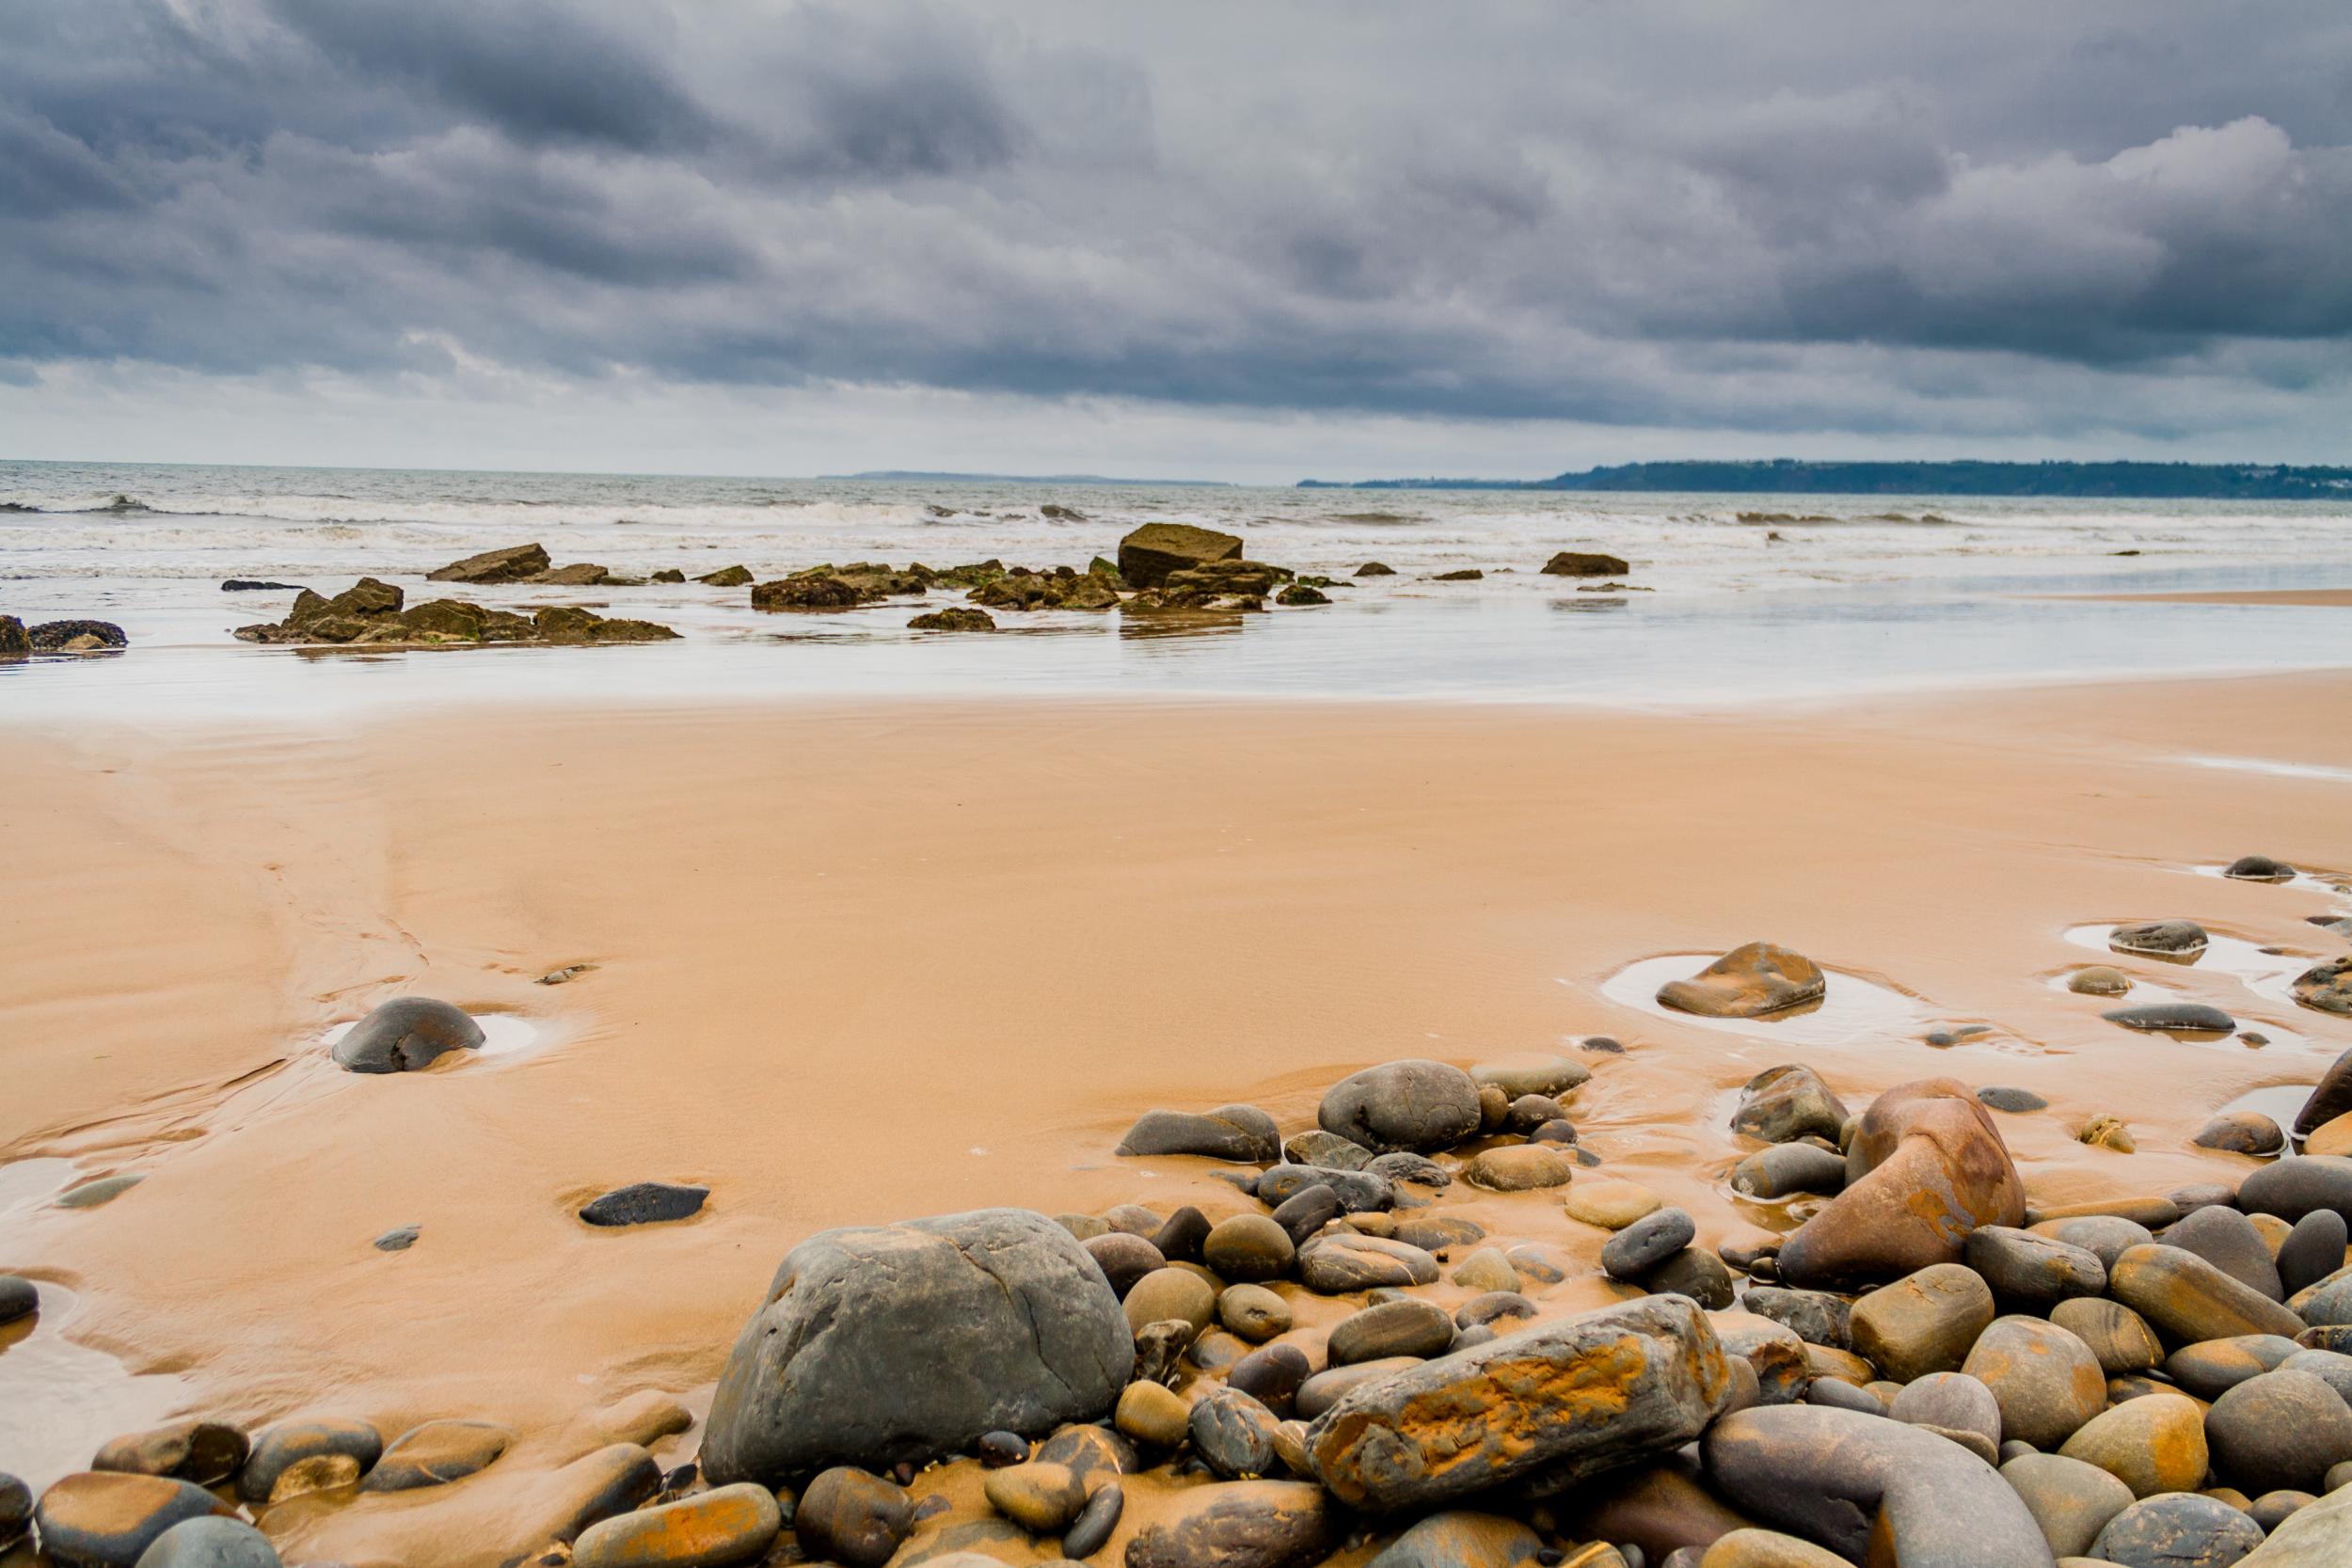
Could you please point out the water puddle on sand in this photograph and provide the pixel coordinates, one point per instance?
(63, 1399)
(2275, 769)
(504, 1037)
(2266, 974)
(1853, 1008)
(59, 1401)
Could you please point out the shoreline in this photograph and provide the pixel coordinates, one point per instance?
(859, 961)
(2336, 598)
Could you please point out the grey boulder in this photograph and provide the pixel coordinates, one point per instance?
(890, 1343)
(406, 1034)
(1238, 1132)
(1415, 1105)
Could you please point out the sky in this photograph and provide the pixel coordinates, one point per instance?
(1341, 238)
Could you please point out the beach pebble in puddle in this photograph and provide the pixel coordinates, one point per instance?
(406, 1034)
(293, 1458)
(2098, 980)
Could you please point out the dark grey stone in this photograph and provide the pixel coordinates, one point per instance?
(406, 1034)
(2177, 1530)
(1408, 1327)
(2171, 937)
(1647, 1243)
(2313, 1250)
(1828, 1475)
(1784, 1169)
(1694, 1271)
(399, 1239)
(210, 1543)
(1357, 1191)
(2023, 1266)
(851, 1517)
(1817, 1317)
(1415, 1104)
(1237, 1133)
(2174, 1016)
(1232, 1434)
(1308, 1211)
(1091, 1530)
(1272, 1375)
(2227, 1239)
(1123, 1259)
(2281, 1429)
(1405, 1166)
(645, 1203)
(18, 1298)
(1786, 1103)
(2015, 1101)
(907, 1341)
(2294, 1188)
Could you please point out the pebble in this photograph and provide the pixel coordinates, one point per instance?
(998, 1450)
(1787, 1168)
(2013, 1100)
(106, 1520)
(2212, 1367)
(1041, 1499)
(399, 1238)
(2103, 1236)
(2071, 1500)
(850, 1517)
(2273, 1509)
(1484, 1270)
(1643, 1244)
(2172, 1017)
(1356, 1190)
(1950, 1402)
(1249, 1248)
(320, 1454)
(1695, 1273)
(1924, 1322)
(2153, 1444)
(2173, 938)
(1766, 1548)
(1411, 1327)
(1321, 1391)
(436, 1453)
(205, 1452)
(1786, 1103)
(1307, 1211)
(1091, 1530)
(2313, 1250)
(1183, 1237)
(1317, 1147)
(2241, 1133)
(2280, 1429)
(1151, 1414)
(2294, 1188)
(1165, 1294)
(1403, 1166)
(1610, 1202)
(1253, 1312)
(645, 1203)
(1238, 1132)
(18, 1298)
(212, 1541)
(724, 1526)
(1519, 1169)
(2032, 1270)
(2180, 1531)
(2118, 1337)
(1233, 1435)
(406, 1035)
(2182, 1295)
(1339, 1264)
(1271, 1375)
(1243, 1524)
(1416, 1105)
(1816, 1316)
(2228, 1240)
(90, 1195)
(1460, 1538)
(2046, 1382)
(1494, 1306)
(2098, 980)
(1531, 1111)
(1124, 1257)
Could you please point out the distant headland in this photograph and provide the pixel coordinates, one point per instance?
(1798, 476)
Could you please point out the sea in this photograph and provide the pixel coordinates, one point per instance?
(1733, 601)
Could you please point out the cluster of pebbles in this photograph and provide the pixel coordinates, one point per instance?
(1927, 1370)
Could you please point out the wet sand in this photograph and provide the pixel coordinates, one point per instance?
(2335, 597)
(862, 962)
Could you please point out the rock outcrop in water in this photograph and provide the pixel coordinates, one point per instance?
(373, 614)
(1149, 554)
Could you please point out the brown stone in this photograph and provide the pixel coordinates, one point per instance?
(2188, 1299)
(1924, 1322)
(1147, 555)
(1926, 1168)
(511, 565)
(1747, 982)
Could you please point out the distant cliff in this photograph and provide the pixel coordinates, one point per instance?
(1794, 476)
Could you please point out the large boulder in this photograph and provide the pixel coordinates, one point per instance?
(1548, 1405)
(1147, 555)
(511, 565)
(1841, 1478)
(1240, 1132)
(1925, 1168)
(1747, 982)
(1585, 564)
(1417, 1105)
(406, 1034)
(902, 1342)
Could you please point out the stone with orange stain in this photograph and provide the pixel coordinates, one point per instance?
(727, 1525)
(2188, 1299)
(1240, 1524)
(106, 1518)
(2046, 1381)
(2155, 1442)
(1751, 981)
(1548, 1406)
(1925, 1168)
(1923, 1322)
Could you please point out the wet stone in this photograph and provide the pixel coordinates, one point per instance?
(2174, 1016)
(1247, 1524)
(2173, 938)
(1694, 1271)
(1339, 1264)
(1307, 1211)
(1463, 1538)
(1236, 1132)
(2241, 1133)
(1249, 1248)
(212, 1541)
(2098, 980)
(1232, 1434)
(2228, 1240)
(1123, 1259)
(2013, 1100)
(436, 1453)
(1786, 1103)
(1165, 1294)
(851, 1517)
(2046, 1382)
(1253, 1312)
(205, 1452)
(1182, 1239)
(1609, 1202)
(1151, 1414)
(1417, 1104)
(2313, 1249)
(645, 1203)
(103, 1519)
(1324, 1390)
(724, 1526)
(1356, 1190)
(404, 1034)
(1647, 1243)
(2025, 1268)
(1924, 1322)
(2071, 1500)
(1091, 1531)
(1394, 1328)
(320, 1454)
(1816, 1316)
(1318, 1147)
(2118, 1338)
(19, 1299)
(2184, 1530)
(1041, 1499)
(2281, 1429)
(398, 1239)
(2153, 1444)
(1787, 1168)
(1403, 1166)
(1272, 1375)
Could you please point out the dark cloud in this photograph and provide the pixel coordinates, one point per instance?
(1819, 217)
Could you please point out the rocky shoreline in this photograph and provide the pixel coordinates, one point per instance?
(1926, 1368)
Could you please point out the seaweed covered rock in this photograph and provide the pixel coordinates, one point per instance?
(1149, 554)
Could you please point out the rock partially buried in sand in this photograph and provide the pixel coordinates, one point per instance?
(212, 1541)
(903, 1343)
(1239, 1132)
(1840, 1478)
(1549, 1404)
(1753, 981)
(99, 1519)
(2241, 1133)
(436, 1453)
(1239, 1524)
(1147, 555)
(510, 565)
(955, 618)
(2172, 939)
(713, 1530)
(2098, 980)
(2172, 1017)
(18, 1298)
(293, 1458)
(404, 1034)
(1583, 563)
(1926, 1168)
(1415, 1105)
(2258, 868)
(2326, 987)
(645, 1203)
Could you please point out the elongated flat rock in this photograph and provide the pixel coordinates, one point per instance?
(1566, 1399)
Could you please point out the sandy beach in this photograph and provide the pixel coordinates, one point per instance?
(858, 962)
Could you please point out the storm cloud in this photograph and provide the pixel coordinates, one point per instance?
(1810, 217)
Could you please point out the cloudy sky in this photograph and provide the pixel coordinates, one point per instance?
(1339, 237)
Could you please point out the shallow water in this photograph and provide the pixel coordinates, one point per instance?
(1851, 1009)
(1856, 594)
